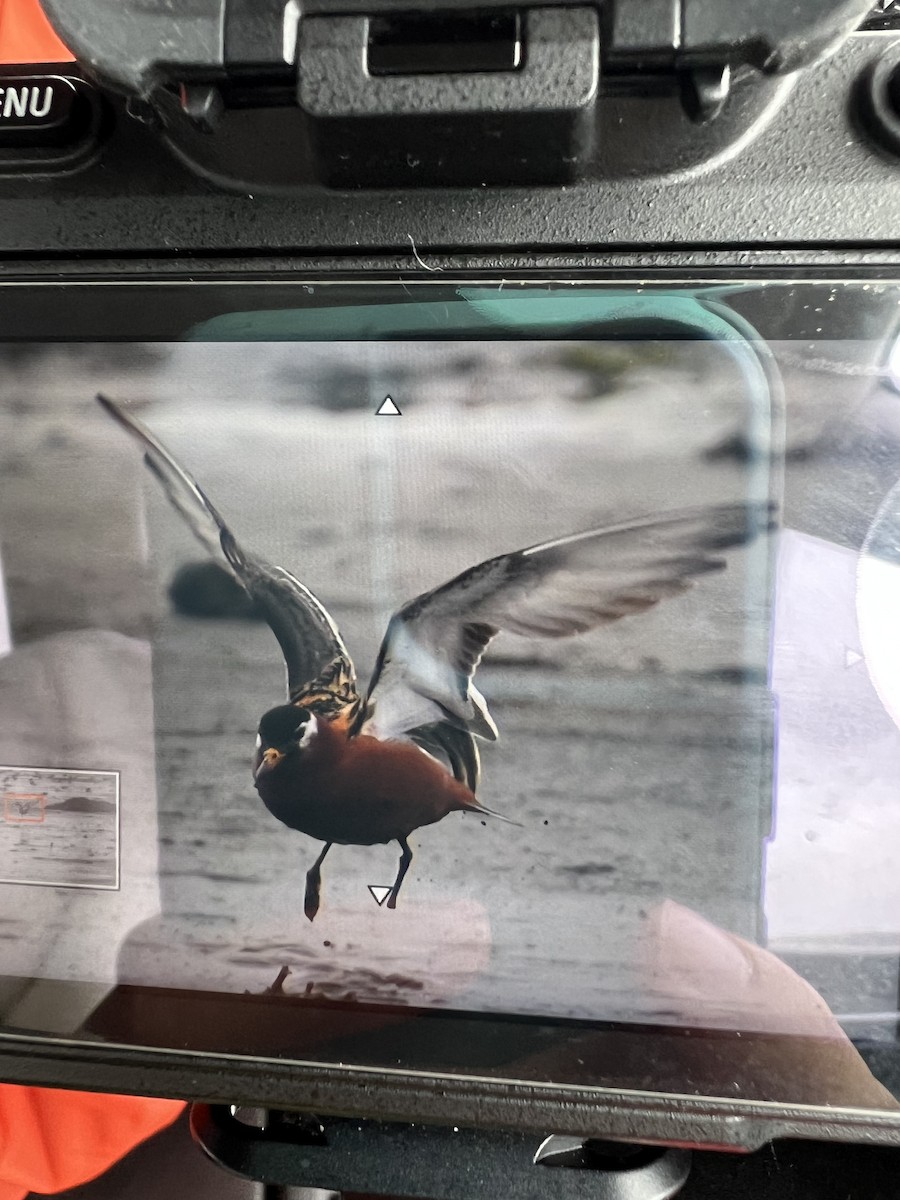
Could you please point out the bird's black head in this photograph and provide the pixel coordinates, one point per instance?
(283, 730)
(284, 725)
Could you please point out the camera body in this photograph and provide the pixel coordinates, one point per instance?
(476, 137)
(266, 149)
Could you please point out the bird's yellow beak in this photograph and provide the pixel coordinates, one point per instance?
(272, 758)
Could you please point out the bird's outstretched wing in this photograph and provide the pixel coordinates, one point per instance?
(318, 665)
(423, 682)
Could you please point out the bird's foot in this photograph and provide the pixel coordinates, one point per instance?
(277, 988)
(311, 903)
(391, 901)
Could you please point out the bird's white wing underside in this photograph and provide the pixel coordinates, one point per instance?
(434, 644)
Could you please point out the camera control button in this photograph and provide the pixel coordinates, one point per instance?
(39, 110)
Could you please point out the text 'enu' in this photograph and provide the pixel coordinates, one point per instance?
(25, 101)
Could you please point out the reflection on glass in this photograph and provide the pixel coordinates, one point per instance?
(5, 634)
(892, 370)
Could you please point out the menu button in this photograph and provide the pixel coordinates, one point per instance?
(38, 110)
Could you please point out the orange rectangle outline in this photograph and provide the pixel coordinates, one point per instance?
(8, 797)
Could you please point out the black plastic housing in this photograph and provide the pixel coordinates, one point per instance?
(534, 122)
(792, 162)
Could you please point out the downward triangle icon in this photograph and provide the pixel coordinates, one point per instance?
(388, 409)
(379, 893)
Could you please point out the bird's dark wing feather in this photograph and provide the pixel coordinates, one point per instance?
(457, 746)
(309, 638)
(434, 644)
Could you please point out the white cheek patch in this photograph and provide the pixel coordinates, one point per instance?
(312, 728)
(258, 742)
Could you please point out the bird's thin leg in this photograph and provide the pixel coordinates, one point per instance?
(405, 860)
(314, 884)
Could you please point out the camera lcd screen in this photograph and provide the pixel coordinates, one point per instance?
(641, 777)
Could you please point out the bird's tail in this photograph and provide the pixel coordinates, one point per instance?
(475, 806)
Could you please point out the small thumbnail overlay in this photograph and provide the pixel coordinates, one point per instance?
(59, 828)
(24, 808)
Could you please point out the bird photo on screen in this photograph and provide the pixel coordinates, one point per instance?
(349, 767)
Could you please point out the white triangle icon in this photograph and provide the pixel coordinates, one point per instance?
(379, 893)
(851, 658)
(388, 409)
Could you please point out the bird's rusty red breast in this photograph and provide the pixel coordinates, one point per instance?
(359, 790)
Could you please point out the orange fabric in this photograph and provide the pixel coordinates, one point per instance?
(51, 1140)
(26, 36)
